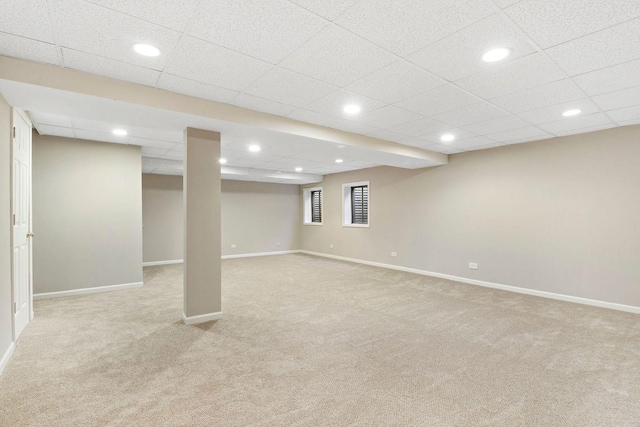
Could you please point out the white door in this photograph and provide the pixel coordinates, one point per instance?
(21, 221)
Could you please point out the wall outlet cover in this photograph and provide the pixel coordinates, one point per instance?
(473, 265)
(394, 254)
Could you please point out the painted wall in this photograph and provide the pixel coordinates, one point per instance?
(87, 214)
(255, 217)
(6, 298)
(559, 215)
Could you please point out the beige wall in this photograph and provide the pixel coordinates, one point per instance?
(559, 215)
(6, 298)
(255, 217)
(87, 214)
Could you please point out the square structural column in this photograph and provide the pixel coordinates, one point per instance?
(202, 227)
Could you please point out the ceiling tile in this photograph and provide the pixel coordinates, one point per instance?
(524, 73)
(388, 135)
(313, 117)
(259, 104)
(460, 134)
(351, 126)
(554, 113)
(388, 117)
(289, 88)
(413, 142)
(605, 48)
(100, 136)
(338, 57)
(460, 54)
(56, 131)
(444, 149)
(550, 23)
(529, 139)
(174, 14)
(194, 88)
(619, 99)
(438, 100)
(175, 154)
(152, 151)
(472, 142)
(420, 127)
(264, 29)
(396, 82)
(585, 130)
(541, 96)
(471, 114)
(502, 4)
(517, 134)
(400, 27)
(576, 123)
(51, 119)
(27, 18)
(95, 125)
(327, 9)
(610, 79)
(484, 147)
(31, 50)
(152, 143)
(334, 103)
(496, 125)
(625, 114)
(109, 68)
(157, 134)
(85, 27)
(148, 169)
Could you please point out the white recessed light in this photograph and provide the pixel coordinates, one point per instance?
(146, 49)
(254, 148)
(223, 161)
(120, 132)
(496, 54)
(339, 160)
(447, 137)
(352, 109)
(571, 113)
(298, 169)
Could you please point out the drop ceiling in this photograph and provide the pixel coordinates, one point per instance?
(414, 66)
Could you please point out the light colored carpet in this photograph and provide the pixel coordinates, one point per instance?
(308, 341)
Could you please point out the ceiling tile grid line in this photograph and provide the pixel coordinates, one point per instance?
(54, 29)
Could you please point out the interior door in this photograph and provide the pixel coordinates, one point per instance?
(21, 221)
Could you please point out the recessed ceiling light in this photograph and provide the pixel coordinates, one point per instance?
(298, 169)
(339, 160)
(352, 109)
(447, 137)
(496, 54)
(254, 148)
(223, 161)
(571, 113)
(146, 49)
(120, 132)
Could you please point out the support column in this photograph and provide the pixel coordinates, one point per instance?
(202, 223)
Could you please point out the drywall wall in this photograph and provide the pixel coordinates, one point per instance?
(6, 298)
(87, 214)
(255, 217)
(559, 215)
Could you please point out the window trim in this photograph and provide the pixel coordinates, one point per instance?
(306, 199)
(346, 204)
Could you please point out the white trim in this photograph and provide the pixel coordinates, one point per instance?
(259, 254)
(202, 318)
(7, 355)
(172, 261)
(85, 291)
(543, 294)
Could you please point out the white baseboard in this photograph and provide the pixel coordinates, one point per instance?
(173, 261)
(543, 294)
(259, 254)
(87, 291)
(202, 318)
(7, 356)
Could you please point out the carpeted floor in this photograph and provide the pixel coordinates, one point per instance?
(307, 341)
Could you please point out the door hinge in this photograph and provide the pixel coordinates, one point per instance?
(14, 131)
(15, 307)
(14, 219)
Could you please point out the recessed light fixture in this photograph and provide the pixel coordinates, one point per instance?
(339, 160)
(254, 148)
(120, 132)
(223, 161)
(352, 109)
(496, 54)
(298, 169)
(447, 137)
(571, 113)
(146, 49)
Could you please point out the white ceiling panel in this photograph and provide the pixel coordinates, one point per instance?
(484, 147)
(174, 14)
(499, 124)
(387, 135)
(96, 125)
(401, 25)
(56, 131)
(387, 117)
(471, 114)
(260, 104)
(438, 100)
(472, 142)
(619, 99)
(605, 48)
(625, 114)
(51, 119)
(31, 50)
(530, 139)
(109, 68)
(586, 129)
(100, 136)
(152, 143)
(85, 27)
(576, 123)
(610, 79)
(289, 88)
(265, 29)
(514, 135)
(539, 97)
(205, 62)
(313, 117)
(152, 151)
(327, 9)
(459, 55)
(502, 4)
(524, 73)
(27, 18)
(351, 126)
(554, 113)
(459, 134)
(334, 103)
(420, 127)
(550, 23)
(195, 88)
(174, 136)
(337, 57)
(396, 82)
(444, 149)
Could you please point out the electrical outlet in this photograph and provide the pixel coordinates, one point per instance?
(473, 265)
(233, 246)
(394, 254)
(331, 246)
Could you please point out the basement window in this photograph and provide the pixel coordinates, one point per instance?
(355, 204)
(312, 206)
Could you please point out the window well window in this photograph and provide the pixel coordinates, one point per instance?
(312, 206)
(355, 205)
